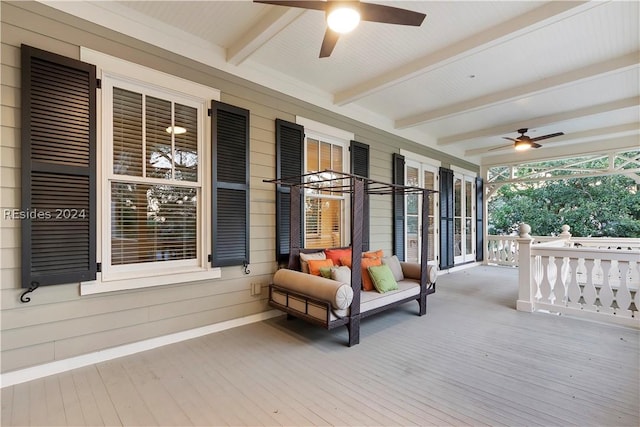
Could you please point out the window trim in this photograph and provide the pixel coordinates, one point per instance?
(332, 136)
(178, 272)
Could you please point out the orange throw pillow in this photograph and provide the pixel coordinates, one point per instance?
(346, 260)
(316, 264)
(367, 283)
(376, 254)
(336, 254)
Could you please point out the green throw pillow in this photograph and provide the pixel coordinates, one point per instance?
(382, 278)
(325, 272)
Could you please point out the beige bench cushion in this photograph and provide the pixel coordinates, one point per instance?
(338, 294)
(411, 270)
(370, 300)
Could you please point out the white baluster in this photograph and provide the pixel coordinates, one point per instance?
(623, 296)
(559, 289)
(545, 285)
(537, 276)
(589, 293)
(606, 293)
(573, 289)
(634, 285)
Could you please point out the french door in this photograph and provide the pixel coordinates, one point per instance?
(423, 176)
(464, 218)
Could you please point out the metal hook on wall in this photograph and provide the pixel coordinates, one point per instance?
(24, 298)
(245, 265)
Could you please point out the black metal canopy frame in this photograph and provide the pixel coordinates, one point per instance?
(358, 187)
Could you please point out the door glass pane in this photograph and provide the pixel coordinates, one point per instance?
(412, 239)
(413, 220)
(468, 188)
(457, 209)
(429, 183)
(431, 255)
(468, 247)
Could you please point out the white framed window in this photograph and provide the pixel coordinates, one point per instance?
(154, 173)
(326, 213)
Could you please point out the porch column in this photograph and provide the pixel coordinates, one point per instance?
(526, 294)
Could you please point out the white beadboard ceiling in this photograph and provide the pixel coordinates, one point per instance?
(473, 73)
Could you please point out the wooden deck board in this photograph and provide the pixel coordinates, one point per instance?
(472, 360)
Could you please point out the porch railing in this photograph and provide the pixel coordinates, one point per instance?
(591, 278)
(504, 250)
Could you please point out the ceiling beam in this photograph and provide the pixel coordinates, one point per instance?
(276, 19)
(599, 134)
(547, 14)
(541, 121)
(529, 89)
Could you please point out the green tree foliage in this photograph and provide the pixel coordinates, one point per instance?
(597, 207)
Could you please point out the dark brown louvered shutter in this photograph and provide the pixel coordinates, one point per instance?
(479, 219)
(360, 166)
(289, 149)
(58, 169)
(398, 207)
(447, 237)
(231, 175)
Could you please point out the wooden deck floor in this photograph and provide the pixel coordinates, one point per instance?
(472, 360)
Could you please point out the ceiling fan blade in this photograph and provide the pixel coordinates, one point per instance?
(551, 135)
(329, 42)
(501, 147)
(390, 15)
(510, 139)
(534, 145)
(315, 5)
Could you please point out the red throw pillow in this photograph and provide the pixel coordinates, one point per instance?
(316, 264)
(336, 254)
(367, 283)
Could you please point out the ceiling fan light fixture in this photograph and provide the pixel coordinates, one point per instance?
(522, 145)
(343, 18)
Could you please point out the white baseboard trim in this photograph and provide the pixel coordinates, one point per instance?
(23, 375)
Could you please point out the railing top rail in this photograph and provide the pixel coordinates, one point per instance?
(587, 253)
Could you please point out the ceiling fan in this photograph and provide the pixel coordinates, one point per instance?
(344, 16)
(524, 142)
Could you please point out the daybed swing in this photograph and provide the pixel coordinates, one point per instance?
(341, 300)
